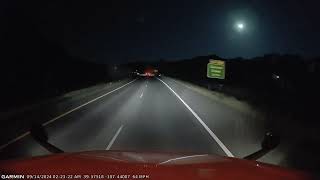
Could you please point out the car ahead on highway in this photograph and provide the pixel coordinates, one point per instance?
(143, 165)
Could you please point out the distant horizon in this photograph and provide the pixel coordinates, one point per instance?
(141, 60)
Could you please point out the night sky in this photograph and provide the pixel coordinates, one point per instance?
(149, 30)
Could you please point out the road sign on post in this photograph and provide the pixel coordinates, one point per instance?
(216, 69)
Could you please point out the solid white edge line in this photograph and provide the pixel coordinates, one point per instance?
(223, 147)
(183, 157)
(114, 138)
(64, 114)
(14, 140)
(68, 112)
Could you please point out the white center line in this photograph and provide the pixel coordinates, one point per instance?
(142, 92)
(114, 138)
(223, 147)
(62, 115)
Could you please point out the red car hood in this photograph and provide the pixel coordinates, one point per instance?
(110, 164)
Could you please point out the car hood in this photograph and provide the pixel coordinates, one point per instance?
(112, 164)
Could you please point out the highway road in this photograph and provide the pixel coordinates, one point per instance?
(148, 114)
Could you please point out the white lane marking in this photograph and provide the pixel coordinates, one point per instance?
(143, 91)
(223, 147)
(114, 138)
(64, 114)
(14, 140)
(68, 112)
(183, 157)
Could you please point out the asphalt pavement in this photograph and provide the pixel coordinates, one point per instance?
(148, 115)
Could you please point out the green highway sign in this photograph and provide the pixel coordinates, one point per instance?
(216, 69)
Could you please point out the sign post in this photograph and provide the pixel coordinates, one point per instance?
(216, 69)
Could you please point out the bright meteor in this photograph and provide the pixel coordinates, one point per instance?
(240, 26)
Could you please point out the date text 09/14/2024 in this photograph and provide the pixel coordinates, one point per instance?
(63, 176)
